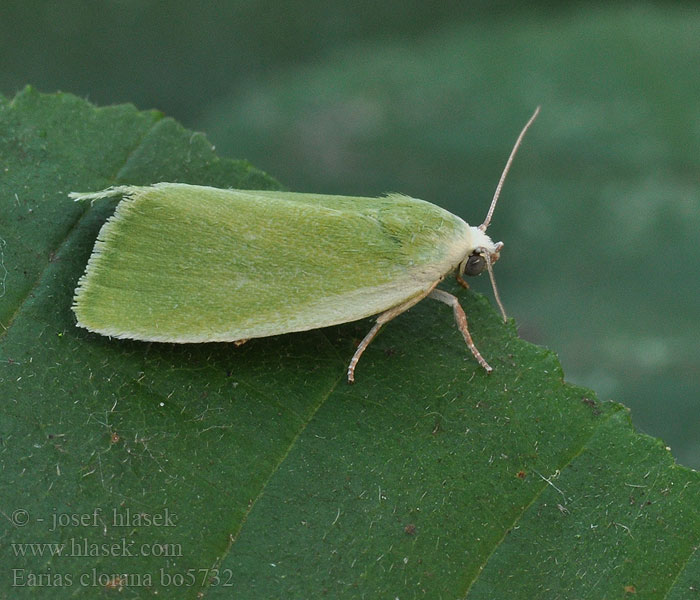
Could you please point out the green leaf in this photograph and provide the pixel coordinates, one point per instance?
(258, 472)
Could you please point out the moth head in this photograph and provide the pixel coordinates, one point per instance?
(484, 253)
(474, 264)
(479, 259)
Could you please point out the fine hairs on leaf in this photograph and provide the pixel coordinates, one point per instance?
(260, 471)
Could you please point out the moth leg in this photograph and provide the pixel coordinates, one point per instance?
(461, 281)
(361, 348)
(383, 318)
(461, 320)
(237, 343)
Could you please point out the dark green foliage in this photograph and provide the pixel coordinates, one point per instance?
(426, 479)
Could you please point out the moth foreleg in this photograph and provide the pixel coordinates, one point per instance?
(461, 281)
(461, 320)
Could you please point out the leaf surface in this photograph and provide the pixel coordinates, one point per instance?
(258, 472)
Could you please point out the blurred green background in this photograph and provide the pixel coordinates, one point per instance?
(600, 214)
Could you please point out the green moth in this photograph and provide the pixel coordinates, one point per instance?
(188, 263)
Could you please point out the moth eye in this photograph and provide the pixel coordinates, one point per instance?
(475, 264)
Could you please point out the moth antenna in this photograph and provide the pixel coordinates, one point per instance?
(496, 295)
(497, 193)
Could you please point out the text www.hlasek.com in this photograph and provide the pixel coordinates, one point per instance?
(81, 546)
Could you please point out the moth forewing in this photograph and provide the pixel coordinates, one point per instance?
(181, 263)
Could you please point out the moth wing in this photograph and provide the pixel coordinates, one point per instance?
(183, 263)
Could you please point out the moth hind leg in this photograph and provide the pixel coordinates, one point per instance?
(362, 346)
(383, 318)
(461, 320)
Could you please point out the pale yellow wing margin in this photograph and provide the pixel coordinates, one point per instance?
(183, 263)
